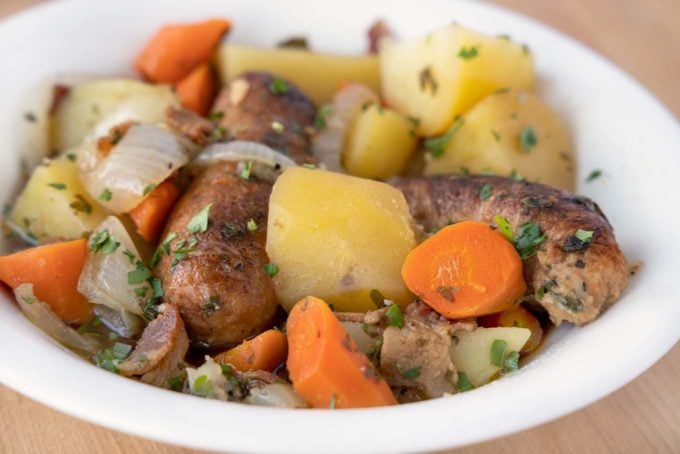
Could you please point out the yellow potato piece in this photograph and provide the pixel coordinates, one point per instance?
(317, 75)
(380, 144)
(54, 204)
(441, 75)
(472, 353)
(506, 132)
(337, 237)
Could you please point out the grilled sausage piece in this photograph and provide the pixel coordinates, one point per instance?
(262, 108)
(573, 280)
(217, 279)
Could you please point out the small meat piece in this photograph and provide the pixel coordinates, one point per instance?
(262, 108)
(573, 280)
(220, 287)
(378, 31)
(159, 354)
(196, 128)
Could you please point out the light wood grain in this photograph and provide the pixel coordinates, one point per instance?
(643, 417)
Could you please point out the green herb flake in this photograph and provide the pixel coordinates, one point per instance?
(163, 249)
(484, 191)
(139, 275)
(110, 358)
(495, 135)
(594, 175)
(156, 287)
(511, 363)
(89, 327)
(199, 223)
(28, 300)
(57, 186)
(81, 204)
(394, 316)
(215, 115)
(437, 145)
(278, 86)
(245, 171)
(149, 188)
(377, 297)
(271, 269)
(103, 242)
(251, 225)
(412, 373)
(106, 195)
(528, 139)
(71, 157)
(176, 383)
(504, 228)
(515, 176)
(130, 255)
(447, 292)
(529, 239)
(498, 348)
(464, 383)
(426, 80)
(202, 387)
(320, 120)
(584, 235)
(333, 401)
(141, 291)
(113, 336)
(468, 53)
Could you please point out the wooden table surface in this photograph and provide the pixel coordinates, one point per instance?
(642, 37)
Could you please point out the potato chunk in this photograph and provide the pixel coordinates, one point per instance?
(317, 75)
(506, 132)
(443, 74)
(100, 104)
(472, 352)
(337, 237)
(380, 144)
(54, 204)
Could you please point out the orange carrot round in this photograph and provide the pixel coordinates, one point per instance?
(516, 317)
(263, 352)
(54, 270)
(325, 365)
(177, 49)
(150, 215)
(465, 270)
(197, 90)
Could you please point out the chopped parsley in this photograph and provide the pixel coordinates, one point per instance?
(176, 383)
(584, 235)
(163, 249)
(464, 383)
(139, 274)
(271, 269)
(110, 358)
(245, 171)
(183, 249)
(251, 225)
(394, 316)
(437, 145)
(515, 176)
(71, 157)
(578, 241)
(377, 297)
(333, 401)
(447, 292)
(103, 242)
(149, 188)
(89, 327)
(57, 186)
(199, 223)
(594, 175)
(468, 53)
(495, 135)
(498, 349)
(320, 121)
(202, 387)
(529, 239)
(216, 115)
(427, 80)
(484, 191)
(528, 139)
(505, 228)
(81, 204)
(106, 195)
(28, 300)
(278, 127)
(278, 86)
(412, 373)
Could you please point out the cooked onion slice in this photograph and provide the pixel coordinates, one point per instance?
(279, 395)
(124, 323)
(328, 143)
(42, 315)
(145, 156)
(106, 277)
(243, 150)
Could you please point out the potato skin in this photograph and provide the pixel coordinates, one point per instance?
(221, 289)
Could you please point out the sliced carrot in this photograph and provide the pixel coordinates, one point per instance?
(465, 270)
(516, 317)
(177, 49)
(150, 215)
(263, 352)
(197, 90)
(54, 270)
(324, 363)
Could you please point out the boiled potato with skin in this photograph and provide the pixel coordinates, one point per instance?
(317, 75)
(472, 351)
(54, 204)
(506, 132)
(93, 107)
(379, 144)
(337, 237)
(441, 75)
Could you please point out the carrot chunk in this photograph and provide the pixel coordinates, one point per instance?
(177, 49)
(150, 215)
(197, 90)
(465, 270)
(325, 365)
(516, 317)
(54, 270)
(263, 352)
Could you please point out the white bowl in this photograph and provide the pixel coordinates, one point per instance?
(617, 126)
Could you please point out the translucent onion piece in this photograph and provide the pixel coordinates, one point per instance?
(213, 385)
(125, 324)
(356, 331)
(279, 395)
(145, 156)
(243, 150)
(104, 279)
(21, 233)
(42, 315)
(328, 143)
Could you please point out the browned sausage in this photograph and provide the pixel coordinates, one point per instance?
(220, 284)
(573, 280)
